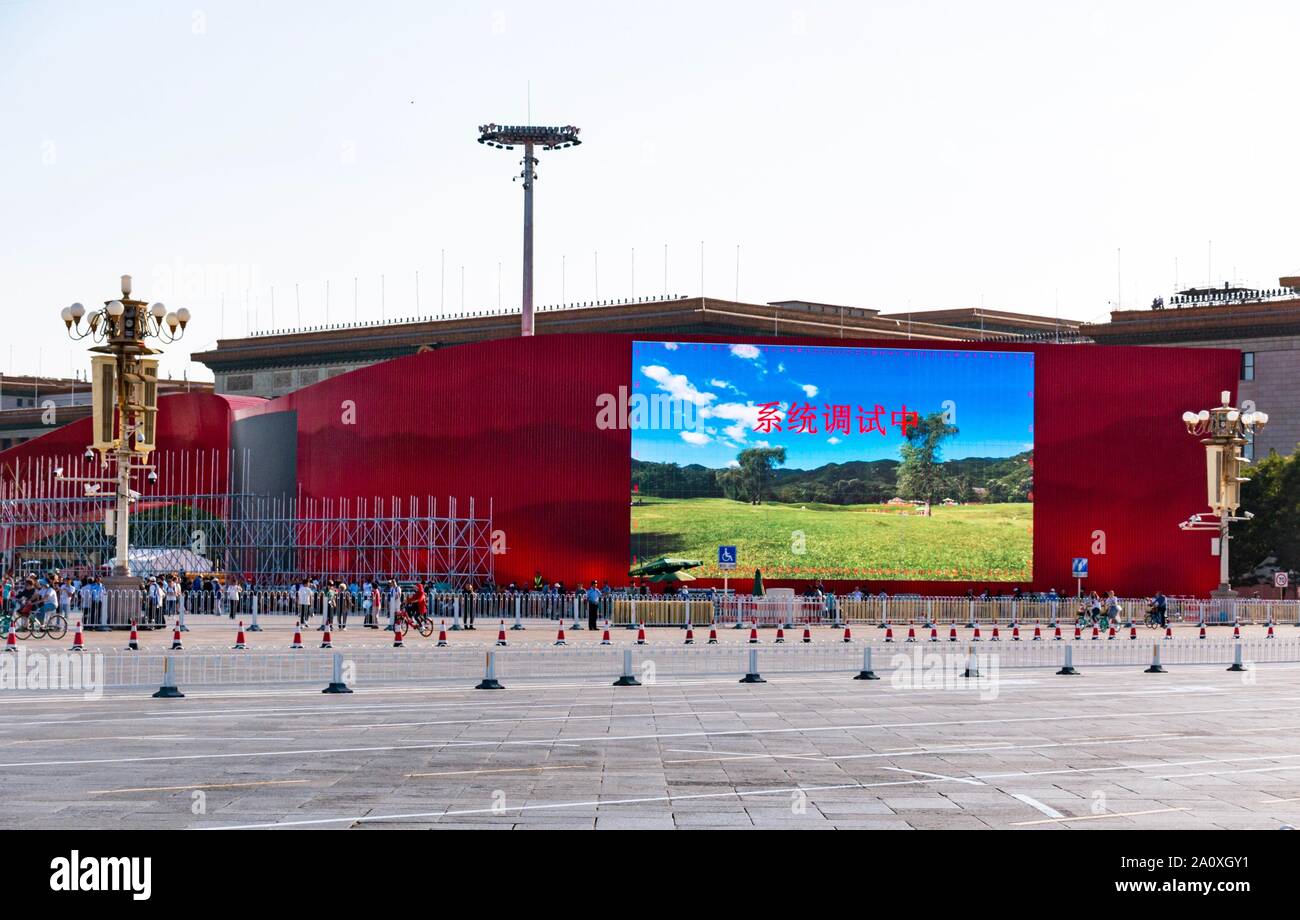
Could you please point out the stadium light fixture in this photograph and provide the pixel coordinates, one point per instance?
(530, 137)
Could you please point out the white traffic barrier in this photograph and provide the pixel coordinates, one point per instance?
(336, 684)
(752, 676)
(490, 681)
(168, 690)
(866, 673)
(1067, 667)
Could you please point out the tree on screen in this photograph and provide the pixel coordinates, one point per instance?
(751, 480)
(920, 474)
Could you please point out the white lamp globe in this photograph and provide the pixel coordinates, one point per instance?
(171, 320)
(158, 310)
(183, 314)
(78, 311)
(1189, 418)
(115, 308)
(1204, 415)
(66, 315)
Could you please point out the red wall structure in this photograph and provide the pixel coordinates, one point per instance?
(514, 421)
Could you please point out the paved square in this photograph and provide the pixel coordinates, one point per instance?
(1197, 748)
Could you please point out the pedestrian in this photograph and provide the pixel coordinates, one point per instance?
(304, 603)
(593, 606)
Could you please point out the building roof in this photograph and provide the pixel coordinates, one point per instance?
(369, 342)
(1219, 322)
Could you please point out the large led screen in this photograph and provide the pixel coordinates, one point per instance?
(842, 464)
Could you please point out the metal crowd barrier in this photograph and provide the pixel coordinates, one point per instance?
(378, 666)
(118, 609)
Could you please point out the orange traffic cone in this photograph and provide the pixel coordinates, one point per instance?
(442, 634)
(997, 635)
(807, 636)
(952, 634)
(78, 644)
(934, 633)
(690, 635)
(1270, 632)
(176, 637)
(753, 635)
(1096, 633)
(1038, 634)
(1169, 632)
(1078, 634)
(501, 635)
(1056, 637)
(297, 638)
(604, 637)
(1202, 630)
(889, 634)
(1236, 632)
(133, 642)
(780, 635)
(848, 634)
(1132, 633)
(11, 640)
(397, 637)
(1015, 633)
(911, 634)
(327, 640)
(640, 634)
(1110, 636)
(240, 645)
(976, 637)
(713, 634)
(559, 637)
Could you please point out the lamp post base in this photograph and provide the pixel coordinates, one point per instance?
(122, 601)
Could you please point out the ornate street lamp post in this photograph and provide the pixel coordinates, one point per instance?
(125, 408)
(1224, 431)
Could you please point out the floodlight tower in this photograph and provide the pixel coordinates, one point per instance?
(505, 137)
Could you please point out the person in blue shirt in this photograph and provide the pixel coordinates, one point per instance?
(593, 606)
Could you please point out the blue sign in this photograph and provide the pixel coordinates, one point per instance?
(1080, 568)
(726, 557)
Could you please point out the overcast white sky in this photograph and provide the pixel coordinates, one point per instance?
(893, 155)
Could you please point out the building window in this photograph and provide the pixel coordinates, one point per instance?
(1247, 365)
(1249, 450)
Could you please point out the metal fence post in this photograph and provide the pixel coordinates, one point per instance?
(753, 677)
(576, 624)
(1237, 663)
(866, 673)
(1067, 668)
(1155, 661)
(628, 679)
(490, 681)
(337, 685)
(168, 690)
(254, 627)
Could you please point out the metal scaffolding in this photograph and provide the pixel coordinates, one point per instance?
(194, 519)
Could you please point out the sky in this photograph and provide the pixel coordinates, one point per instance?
(988, 396)
(243, 158)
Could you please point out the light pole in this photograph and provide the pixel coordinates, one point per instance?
(1224, 431)
(125, 405)
(530, 138)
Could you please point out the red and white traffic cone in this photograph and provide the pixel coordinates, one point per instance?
(240, 645)
(997, 636)
(1078, 634)
(78, 644)
(133, 642)
(976, 637)
(1169, 632)
(1038, 634)
(934, 633)
(952, 634)
(397, 637)
(442, 635)
(690, 635)
(1015, 633)
(640, 634)
(1096, 633)
(780, 635)
(889, 634)
(807, 636)
(1270, 632)
(1202, 630)
(1110, 636)
(1056, 634)
(604, 637)
(559, 637)
(176, 637)
(911, 634)
(1132, 633)
(848, 634)
(11, 640)
(713, 633)
(1236, 632)
(501, 635)
(297, 638)
(753, 635)
(327, 639)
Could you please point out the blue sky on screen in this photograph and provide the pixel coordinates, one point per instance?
(991, 392)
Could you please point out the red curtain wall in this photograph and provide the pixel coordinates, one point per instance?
(514, 422)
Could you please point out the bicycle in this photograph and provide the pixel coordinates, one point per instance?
(420, 622)
(31, 626)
